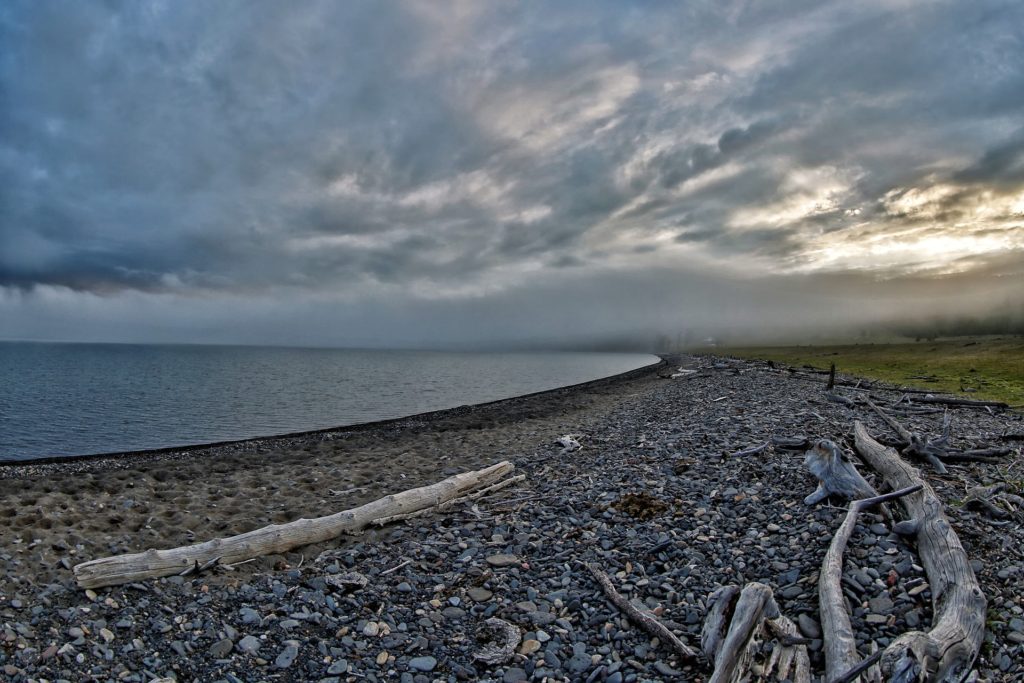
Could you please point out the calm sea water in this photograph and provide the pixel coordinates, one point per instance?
(78, 399)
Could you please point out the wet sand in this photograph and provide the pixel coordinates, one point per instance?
(57, 514)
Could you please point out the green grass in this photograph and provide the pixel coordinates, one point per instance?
(993, 367)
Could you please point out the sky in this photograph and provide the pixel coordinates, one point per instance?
(437, 174)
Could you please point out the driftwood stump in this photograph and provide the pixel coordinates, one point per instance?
(946, 652)
(836, 474)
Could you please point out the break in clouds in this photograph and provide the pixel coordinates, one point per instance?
(416, 173)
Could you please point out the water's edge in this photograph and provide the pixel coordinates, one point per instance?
(428, 416)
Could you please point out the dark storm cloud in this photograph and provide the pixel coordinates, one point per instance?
(423, 155)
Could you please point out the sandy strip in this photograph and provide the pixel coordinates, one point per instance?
(56, 514)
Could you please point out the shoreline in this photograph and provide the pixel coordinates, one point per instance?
(659, 496)
(428, 416)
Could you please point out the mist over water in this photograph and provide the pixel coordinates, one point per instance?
(78, 399)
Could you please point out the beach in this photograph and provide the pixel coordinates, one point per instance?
(698, 517)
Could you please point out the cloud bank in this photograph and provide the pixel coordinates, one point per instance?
(419, 173)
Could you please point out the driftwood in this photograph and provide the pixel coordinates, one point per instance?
(279, 538)
(641, 618)
(837, 631)
(968, 402)
(836, 474)
(948, 651)
(986, 497)
(914, 445)
(736, 625)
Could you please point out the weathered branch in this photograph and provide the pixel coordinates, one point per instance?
(952, 401)
(643, 619)
(279, 538)
(837, 631)
(946, 652)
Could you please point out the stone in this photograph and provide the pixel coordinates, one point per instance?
(249, 615)
(578, 663)
(425, 663)
(529, 646)
(221, 649)
(808, 626)
(287, 656)
(479, 594)
(514, 675)
(338, 666)
(502, 560)
(881, 604)
(250, 644)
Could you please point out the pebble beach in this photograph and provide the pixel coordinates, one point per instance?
(660, 495)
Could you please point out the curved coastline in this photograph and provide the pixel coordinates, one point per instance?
(97, 461)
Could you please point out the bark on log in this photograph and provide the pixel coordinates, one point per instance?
(837, 631)
(279, 538)
(835, 473)
(946, 652)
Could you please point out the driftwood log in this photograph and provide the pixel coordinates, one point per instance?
(279, 538)
(836, 474)
(946, 652)
(837, 631)
(738, 622)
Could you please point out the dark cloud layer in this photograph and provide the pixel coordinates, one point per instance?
(412, 167)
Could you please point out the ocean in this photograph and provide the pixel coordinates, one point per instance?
(79, 399)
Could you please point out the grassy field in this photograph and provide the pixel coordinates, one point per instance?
(982, 367)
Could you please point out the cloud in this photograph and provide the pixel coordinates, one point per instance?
(212, 154)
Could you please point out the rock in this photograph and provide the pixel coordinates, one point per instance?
(502, 560)
(881, 604)
(221, 649)
(287, 656)
(382, 658)
(808, 626)
(479, 594)
(426, 663)
(249, 615)
(371, 629)
(578, 663)
(529, 647)
(514, 675)
(876, 619)
(250, 645)
(338, 666)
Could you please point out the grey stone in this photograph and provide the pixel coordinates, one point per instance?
(249, 615)
(502, 560)
(808, 626)
(578, 663)
(287, 656)
(221, 649)
(479, 594)
(514, 675)
(250, 644)
(426, 663)
(881, 604)
(338, 666)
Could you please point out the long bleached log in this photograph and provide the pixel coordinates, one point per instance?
(946, 652)
(279, 538)
(837, 631)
